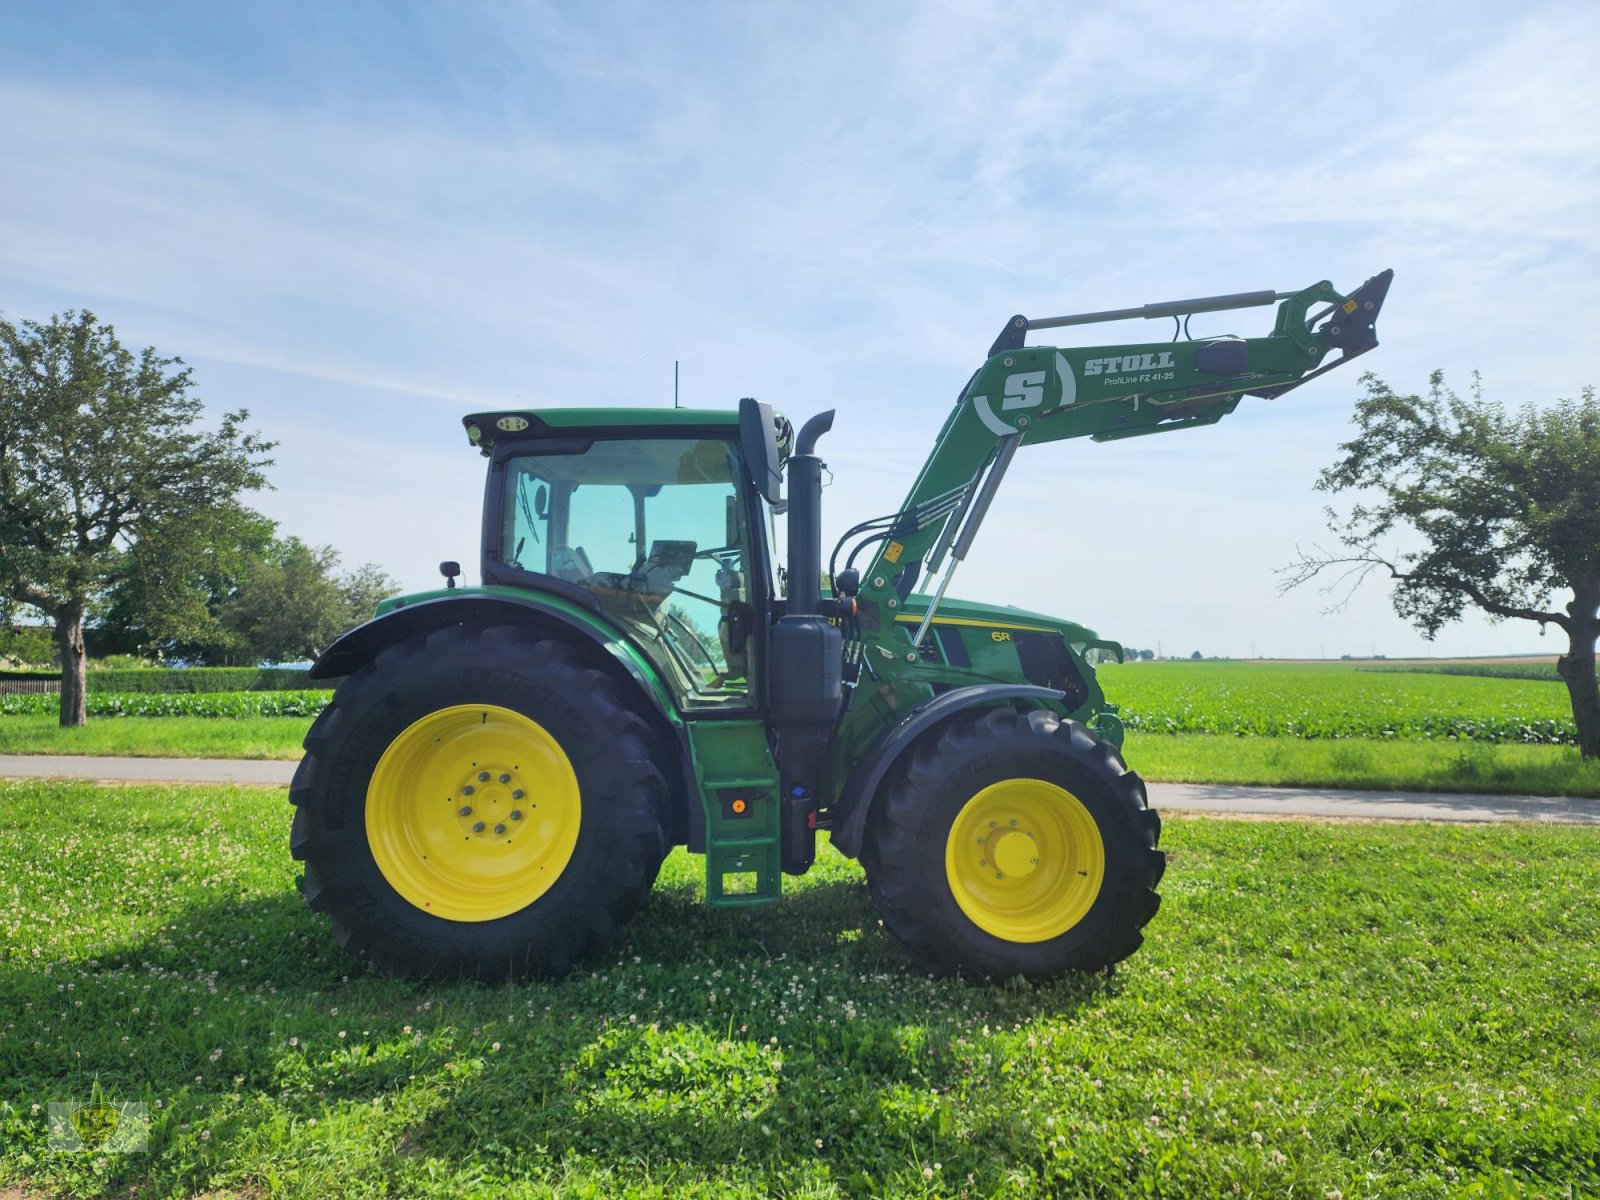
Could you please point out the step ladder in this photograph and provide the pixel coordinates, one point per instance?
(739, 795)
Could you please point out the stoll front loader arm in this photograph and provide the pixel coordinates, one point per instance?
(1025, 395)
(1022, 396)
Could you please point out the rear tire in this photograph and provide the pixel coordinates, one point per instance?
(1015, 843)
(479, 803)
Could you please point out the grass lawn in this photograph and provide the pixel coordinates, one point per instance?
(1421, 766)
(1320, 1010)
(157, 737)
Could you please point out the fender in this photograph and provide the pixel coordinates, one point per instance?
(359, 646)
(861, 788)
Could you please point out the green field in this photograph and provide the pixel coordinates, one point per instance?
(1365, 1010)
(1311, 700)
(1412, 766)
(1313, 724)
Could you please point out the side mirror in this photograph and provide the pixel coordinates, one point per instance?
(758, 439)
(449, 570)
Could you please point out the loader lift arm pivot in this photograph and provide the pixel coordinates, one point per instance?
(1025, 395)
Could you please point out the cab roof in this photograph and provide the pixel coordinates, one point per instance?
(484, 428)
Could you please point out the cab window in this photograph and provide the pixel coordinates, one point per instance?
(654, 529)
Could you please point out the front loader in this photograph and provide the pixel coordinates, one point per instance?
(503, 768)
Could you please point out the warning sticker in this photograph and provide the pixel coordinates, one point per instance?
(892, 551)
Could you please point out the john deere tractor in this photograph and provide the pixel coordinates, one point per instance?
(503, 768)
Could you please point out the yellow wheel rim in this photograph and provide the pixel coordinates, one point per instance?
(473, 812)
(1024, 860)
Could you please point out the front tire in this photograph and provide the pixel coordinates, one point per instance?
(1015, 843)
(479, 803)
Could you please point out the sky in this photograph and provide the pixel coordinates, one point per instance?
(363, 221)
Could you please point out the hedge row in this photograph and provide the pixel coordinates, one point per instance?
(184, 679)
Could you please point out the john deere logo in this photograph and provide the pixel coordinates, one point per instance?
(511, 424)
(94, 1126)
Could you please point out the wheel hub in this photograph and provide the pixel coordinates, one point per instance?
(1014, 854)
(473, 812)
(494, 803)
(1024, 860)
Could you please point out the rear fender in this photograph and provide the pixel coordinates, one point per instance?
(860, 790)
(361, 645)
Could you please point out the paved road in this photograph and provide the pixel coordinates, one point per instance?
(146, 770)
(1169, 797)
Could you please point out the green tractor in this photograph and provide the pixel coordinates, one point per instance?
(503, 768)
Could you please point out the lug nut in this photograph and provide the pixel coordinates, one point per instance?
(468, 790)
(466, 810)
(504, 778)
(516, 814)
(477, 827)
(483, 777)
(499, 828)
(517, 795)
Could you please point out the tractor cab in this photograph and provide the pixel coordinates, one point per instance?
(654, 521)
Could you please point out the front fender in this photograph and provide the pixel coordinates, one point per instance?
(359, 646)
(861, 788)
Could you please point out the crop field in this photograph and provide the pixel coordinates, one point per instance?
(1544, 671)
(1239, 698)
(1308, 724)
(1335, 701)
(1320, 1010)
(214, 705)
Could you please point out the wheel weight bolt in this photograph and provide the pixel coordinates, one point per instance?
(499, 828)
(466, 810)
(477, 827)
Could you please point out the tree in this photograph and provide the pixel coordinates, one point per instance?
(1146, 655)
(167, 595)
(362, 589)
(100, 455)
(291, 606)
(25, 645)
(1506, 507)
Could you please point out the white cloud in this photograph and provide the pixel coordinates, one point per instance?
(838, 208)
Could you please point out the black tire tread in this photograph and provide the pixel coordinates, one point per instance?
(914, 901)
(333, 852)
